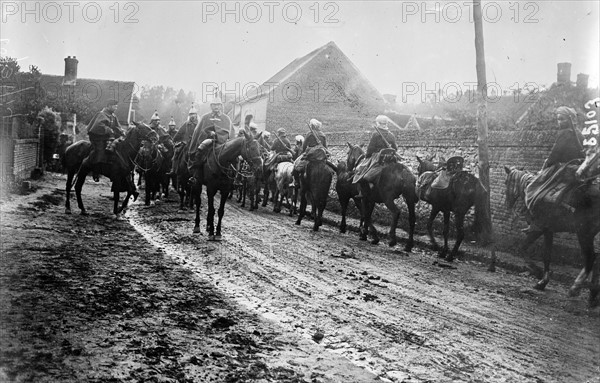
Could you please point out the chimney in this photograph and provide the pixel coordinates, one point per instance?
(564, 73)
(70, 70)
(582, 81)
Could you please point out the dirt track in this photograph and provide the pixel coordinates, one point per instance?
(87, 298)
(399, 315)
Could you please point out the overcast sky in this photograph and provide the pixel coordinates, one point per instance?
(395, 44)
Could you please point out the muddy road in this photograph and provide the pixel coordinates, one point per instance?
(403, 316)
(145, 299)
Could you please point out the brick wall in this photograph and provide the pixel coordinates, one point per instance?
(524, 149)
(25, 157)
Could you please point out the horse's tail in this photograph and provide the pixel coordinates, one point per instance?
(482, 224)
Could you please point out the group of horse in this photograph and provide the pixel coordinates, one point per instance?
(221, 170)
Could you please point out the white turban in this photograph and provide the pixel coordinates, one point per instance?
(315, 123)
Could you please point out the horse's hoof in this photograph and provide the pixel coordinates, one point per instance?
(449, 258)
(593, 300)
(408, 247)
(84, 213)
(541, 286)
(135, 196)
(315, 227)
(67, 211)
(393, 242)
(298, 222)
(217, 237)
(196, 230)
(375, 241)
(342, 230)
(574, 291)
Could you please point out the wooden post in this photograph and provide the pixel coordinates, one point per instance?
(485, 226)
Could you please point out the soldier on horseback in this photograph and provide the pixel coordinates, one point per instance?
(184, 136)
(282, 148)
(214, 128)
(103, 127)
(567, 147)
(313, 148)
(368, 170)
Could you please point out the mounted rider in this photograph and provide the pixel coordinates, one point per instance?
(282, 148)
(101, 129)
(183, 138)
(314, 148)
(214, 128)
(381, 140)
(557, 177)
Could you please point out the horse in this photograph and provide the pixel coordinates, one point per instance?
(464, 191)
(150, 161)
(118, 169)
(315, 183)
(215, 176)
(286, 187)
(344, 187)
(395, 180)
(182, 174)
(584, 221)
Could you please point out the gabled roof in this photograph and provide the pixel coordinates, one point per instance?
(98, 92)
(294, 67)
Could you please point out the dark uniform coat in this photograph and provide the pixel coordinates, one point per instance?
(281, 147)
(102, 128)
(377, 142)
(185, 132)
(310, 141)
(210, 125)
(568, 146)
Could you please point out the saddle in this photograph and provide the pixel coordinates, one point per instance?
(453, 166)
(557, 185)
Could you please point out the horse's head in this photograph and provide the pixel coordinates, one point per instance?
(141, 131)
(251, 151)
(355, 152)
(590, 167)
(426, 165)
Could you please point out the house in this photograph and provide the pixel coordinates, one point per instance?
(93, 92)
(324, 84)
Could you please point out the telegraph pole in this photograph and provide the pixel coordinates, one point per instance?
(485, 226)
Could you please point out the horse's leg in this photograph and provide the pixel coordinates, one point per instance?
(221, 212)
(210, 217)
(68, 186)
(586, 243)
(265, 193)
(432, 215)
(344, 201)
(389, 203)
(302, 211)
(459, 219)
(196, 193)
(78, 186)
(412, 219)
(358, 204)
(595, 286)
(548, 239)
(445, 233)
